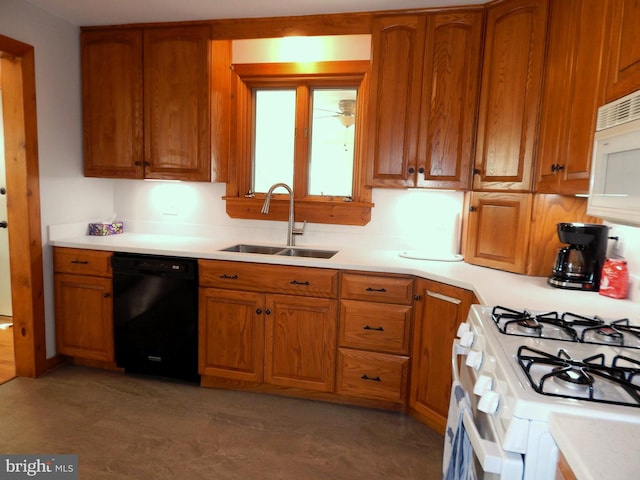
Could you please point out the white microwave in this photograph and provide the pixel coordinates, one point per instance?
(614, 192)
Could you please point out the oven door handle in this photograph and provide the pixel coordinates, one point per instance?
(456, 351)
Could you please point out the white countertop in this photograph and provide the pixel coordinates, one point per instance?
(597, 449)
(492, 287)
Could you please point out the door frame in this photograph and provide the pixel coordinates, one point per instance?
(23, 206)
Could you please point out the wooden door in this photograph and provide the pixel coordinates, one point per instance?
(498, 230)
(439, 311)
(624, 59)
(300, 342)
(511, 81)
(451, 82)
(398, 45)
(231, 334)
(84, 316)
(176, 97)
(112, 103)
(573, 90)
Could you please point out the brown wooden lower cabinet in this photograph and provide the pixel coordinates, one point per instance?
(283, 340)
(360, 338)
(83, 304)
(440, 309)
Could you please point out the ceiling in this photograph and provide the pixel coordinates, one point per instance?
(114, 12)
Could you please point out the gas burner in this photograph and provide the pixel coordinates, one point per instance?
(618, 333)
(590, 379)
(609, 335)
(571, 377)
(530, 326)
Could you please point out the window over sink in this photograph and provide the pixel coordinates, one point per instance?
(300, 124)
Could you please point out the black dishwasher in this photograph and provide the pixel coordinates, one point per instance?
(155, 315)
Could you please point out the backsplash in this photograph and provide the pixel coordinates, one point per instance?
(423, 220)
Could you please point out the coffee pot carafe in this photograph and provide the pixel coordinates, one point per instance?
(579, 264)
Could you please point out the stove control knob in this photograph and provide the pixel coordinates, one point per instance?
(466, 340)
(462, 329)
(474, 359)
(489, 402)
(482, 385)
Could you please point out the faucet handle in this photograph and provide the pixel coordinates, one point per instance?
(299, 231)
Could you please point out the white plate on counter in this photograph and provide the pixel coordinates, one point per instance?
(438, 257)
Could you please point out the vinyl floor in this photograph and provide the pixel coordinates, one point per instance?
(134, 427)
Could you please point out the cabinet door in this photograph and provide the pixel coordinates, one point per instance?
(498, 230)
(398, 45)
(624, 60)
(112, 103)
(511, 81)
(84, 316)
(573, 90)
(231, 334)
(439, 311)
(176, 96)
(449, 99)
(300, 342)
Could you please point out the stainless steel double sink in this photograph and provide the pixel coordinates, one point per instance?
(281, 251)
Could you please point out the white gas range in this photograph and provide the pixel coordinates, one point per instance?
(513, 369)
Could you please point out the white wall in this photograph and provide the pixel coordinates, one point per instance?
(66, 196)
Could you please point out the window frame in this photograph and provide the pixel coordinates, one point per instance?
(240, 201)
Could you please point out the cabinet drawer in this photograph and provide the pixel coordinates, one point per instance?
(255, 277)
(373, 375)
(82, 262)
(375, 326)
(377, 288)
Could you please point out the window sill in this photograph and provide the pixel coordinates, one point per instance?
(313, 211)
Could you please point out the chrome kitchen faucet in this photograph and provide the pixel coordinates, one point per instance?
(292, 230)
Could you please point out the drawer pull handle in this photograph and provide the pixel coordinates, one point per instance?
(296, 282)
(370, 289)
(446, 298)
(81, 262)
(373, 379)
(230, 277)
(367, 327)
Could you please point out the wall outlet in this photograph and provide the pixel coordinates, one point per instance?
(171, 211)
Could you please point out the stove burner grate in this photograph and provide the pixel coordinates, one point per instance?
(581, 377)
(565, 327)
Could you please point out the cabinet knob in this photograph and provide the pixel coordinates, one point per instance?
(421, 170)
(557, 167)
(106, 295)
(412, 170)
(4, 224)
(267, 312)
(476, 171)
(259, 311)
(3, 191)
(473, 209)
(373, 379)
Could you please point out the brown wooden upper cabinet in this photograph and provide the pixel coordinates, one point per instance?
(424, 99)
(573, 90)
(146, 103)
(510, 95)
(624, 57)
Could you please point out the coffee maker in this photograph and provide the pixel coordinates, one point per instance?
(578, 265)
